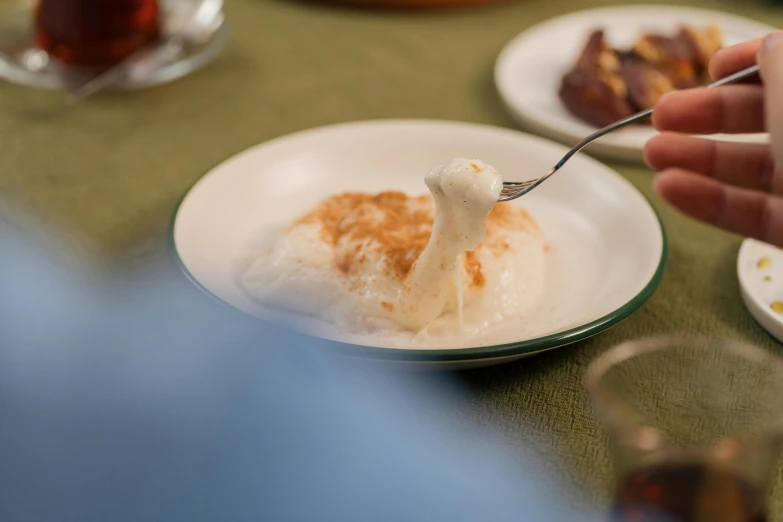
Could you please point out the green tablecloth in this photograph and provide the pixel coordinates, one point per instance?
(111, 170)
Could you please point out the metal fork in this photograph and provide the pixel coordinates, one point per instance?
(514, 189)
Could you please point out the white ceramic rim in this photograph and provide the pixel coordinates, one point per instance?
(450, 355)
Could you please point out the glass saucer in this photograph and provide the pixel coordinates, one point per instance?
(23, 63)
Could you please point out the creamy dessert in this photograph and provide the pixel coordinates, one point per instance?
(390, 262)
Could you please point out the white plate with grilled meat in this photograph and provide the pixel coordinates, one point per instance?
(529, 71)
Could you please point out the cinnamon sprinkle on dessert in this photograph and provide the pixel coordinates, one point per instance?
(330, 212)
(398, 228)
(473, 269)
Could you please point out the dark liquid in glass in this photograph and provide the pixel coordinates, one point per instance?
(96, 33)
(687, 493)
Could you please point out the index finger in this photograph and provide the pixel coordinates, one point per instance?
(734, 58)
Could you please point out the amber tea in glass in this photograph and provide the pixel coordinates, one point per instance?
(96, 33)
(696, 426)
(687, 493)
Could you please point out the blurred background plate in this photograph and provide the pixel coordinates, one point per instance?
(529, 70)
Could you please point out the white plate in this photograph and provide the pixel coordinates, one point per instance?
(529, 70)
(607, 245)
(760, 273)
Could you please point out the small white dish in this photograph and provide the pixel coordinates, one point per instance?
(760, 273)
(529, 70)
(607, 246)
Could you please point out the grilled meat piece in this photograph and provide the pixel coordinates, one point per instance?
(704, 43)
(593, 99)
(607, 84)
(597, 56)
(674, 57)
(645, 84)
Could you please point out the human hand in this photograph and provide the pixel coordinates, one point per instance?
(735, 186)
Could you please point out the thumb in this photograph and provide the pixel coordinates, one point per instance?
(770, 60)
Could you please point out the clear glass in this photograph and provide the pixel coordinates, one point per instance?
(696, 425)
(200, 23)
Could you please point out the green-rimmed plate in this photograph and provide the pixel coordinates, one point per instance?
(607, 246)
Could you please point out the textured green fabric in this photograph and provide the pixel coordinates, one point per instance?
(111, 170)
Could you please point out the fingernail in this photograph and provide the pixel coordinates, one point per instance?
(771, 41)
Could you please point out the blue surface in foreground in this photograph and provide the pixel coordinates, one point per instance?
(143, 403)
